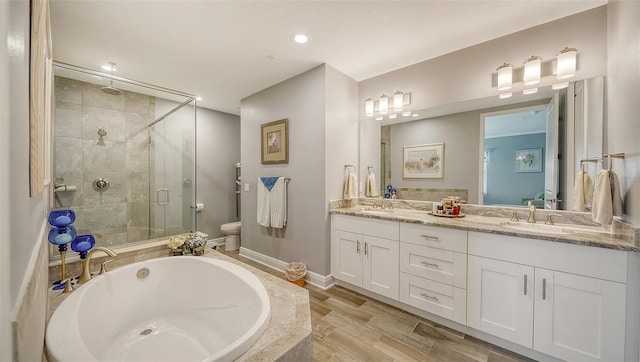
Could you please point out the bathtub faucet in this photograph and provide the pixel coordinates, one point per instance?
(86, 273)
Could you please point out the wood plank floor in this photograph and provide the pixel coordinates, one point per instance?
(348, 326)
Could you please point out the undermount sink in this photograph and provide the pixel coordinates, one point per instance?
(370, 210)
(539, 228)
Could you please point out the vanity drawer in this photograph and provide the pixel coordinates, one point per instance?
(444, 266)
(444, 300)
(435, 237)
(385, 229)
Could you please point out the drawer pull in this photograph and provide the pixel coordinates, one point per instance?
(366, 249)
(544, 288)
(357, 247)
(432, 297)
(525, 284)
(430, 237)
(430, 264)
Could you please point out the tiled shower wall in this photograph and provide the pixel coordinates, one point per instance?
(121, 213)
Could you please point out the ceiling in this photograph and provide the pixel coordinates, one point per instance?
(516, 123)
(225, 51)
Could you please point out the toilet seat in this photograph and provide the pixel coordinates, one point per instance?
(231, 228)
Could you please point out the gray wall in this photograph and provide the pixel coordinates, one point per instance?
(623, 90)
(466, 74)
(323, 137)
(506, 186)
(23, 217)
(218, 149)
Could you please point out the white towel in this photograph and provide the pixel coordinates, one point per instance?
(279, 204)
(582, 192)
(350, 186)
(264, 204)
(372, 186)
(607, 201)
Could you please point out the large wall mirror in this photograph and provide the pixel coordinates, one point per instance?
(503, 152)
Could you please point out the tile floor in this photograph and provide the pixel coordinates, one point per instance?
(348, 326)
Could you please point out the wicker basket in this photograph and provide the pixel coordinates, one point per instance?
(295, 273)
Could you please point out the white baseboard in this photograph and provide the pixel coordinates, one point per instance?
(320, 281)
(216, 241)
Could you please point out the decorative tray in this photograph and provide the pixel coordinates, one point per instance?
(449, 216)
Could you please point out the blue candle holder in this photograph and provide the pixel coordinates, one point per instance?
(82, 244)
(61, 218)
(62, 235)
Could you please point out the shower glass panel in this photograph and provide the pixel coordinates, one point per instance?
(122, 161)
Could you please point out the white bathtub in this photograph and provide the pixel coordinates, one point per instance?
(187, 309)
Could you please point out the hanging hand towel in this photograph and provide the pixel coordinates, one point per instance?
(372, 186)
(279, 203)
(265, 184)
(350, 186)
(582, 192)
(607, 201)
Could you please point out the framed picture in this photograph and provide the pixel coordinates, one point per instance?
(423, 161)
(275, 142)
(529, 160)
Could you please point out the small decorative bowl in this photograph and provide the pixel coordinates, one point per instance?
(61, 218)
(62, 235)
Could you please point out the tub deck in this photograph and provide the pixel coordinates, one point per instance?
(288, 335)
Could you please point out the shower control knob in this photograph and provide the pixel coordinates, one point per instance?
(100, 184)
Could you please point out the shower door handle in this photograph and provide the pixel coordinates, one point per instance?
(166, 198)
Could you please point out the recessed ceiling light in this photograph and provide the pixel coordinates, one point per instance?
(300, 38)
(108, 68)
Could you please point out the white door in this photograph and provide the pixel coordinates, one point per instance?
(381, 266)
(579, 318)
(346, 260)
(551, 156)
(500, 299)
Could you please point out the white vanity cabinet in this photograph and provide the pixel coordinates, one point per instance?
(564, 300)
(433, 270)
(364, 252)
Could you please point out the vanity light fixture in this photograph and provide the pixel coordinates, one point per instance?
(198, 98)
(530, 91)
(505, 76)
(406, 113)
(505, 95)
(379, 118)
(532, 70)
(560, 86)
(109, 67)
(397, 104)
(383, 104)
(398, 100)
(566, 63)
(368, 107)
(393, 115)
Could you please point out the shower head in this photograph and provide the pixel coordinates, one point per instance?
(111, 89)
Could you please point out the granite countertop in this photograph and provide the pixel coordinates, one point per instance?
(589, 235)
(288, 335)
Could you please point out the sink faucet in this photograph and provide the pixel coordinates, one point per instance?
(532, 213)
(86, 273)
(387, 204)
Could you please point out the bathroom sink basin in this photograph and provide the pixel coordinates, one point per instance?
(539, 228)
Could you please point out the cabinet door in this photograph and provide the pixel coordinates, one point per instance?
(381, 266)
(346, 260)
(579, 318)
(500, 299)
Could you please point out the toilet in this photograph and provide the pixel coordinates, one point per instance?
(232, 232)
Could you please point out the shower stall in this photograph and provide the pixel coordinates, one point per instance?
(123, 156)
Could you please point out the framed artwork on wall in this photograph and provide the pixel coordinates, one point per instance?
(275, 142)
(529, 160)
(423, 161)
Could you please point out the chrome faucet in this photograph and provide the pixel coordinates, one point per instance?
(532, 213)
(86, 273)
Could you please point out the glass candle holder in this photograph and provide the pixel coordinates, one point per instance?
(82, 244)
(62, 235)
(61, 218)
